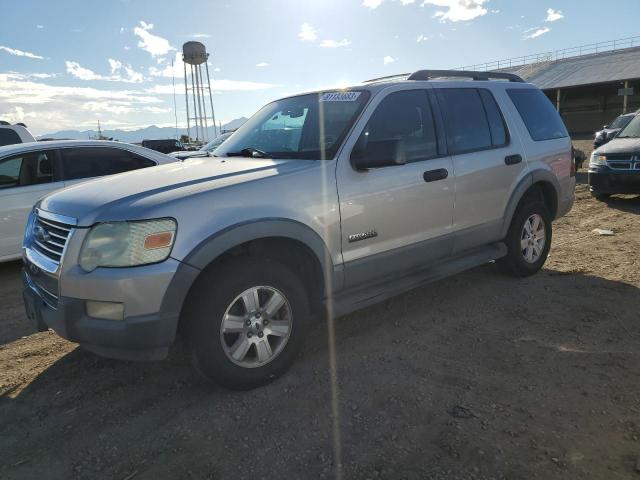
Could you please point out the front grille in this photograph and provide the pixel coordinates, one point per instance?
(617, 165)
(49, 237)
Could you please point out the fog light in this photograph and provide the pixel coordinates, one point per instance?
(105, 310)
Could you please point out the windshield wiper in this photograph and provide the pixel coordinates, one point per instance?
(250, 152)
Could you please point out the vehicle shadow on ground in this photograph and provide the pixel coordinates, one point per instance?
(418, 380)
(625, 203)
(13, 321)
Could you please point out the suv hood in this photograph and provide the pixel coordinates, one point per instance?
(129, 195)
(621, 145)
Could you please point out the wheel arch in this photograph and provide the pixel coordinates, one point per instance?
(288, 241)
(540, 183)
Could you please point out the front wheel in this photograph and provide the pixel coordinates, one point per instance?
(247, 322)
(528, 240)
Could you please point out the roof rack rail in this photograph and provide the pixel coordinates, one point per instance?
(388, 77)
(431, 74)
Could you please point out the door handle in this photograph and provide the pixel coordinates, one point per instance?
(513, 159)
(435, 175)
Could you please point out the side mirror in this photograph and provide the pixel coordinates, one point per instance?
(385, 153)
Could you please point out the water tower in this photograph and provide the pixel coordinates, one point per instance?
(194, 54)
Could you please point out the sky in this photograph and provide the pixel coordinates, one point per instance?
(67, 64)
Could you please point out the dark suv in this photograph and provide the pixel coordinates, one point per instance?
(609, 132)
(615, 167)
(164, 146)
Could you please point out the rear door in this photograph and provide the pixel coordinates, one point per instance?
(82, 163)
(24, 179)
(488, 161)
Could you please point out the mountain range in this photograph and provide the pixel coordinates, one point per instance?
(136, 136)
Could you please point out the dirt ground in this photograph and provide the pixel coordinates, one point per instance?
(480, 376)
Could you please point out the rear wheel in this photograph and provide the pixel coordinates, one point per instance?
(247, 323)
(528, 240)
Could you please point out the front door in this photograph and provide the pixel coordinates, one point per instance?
(396, 219)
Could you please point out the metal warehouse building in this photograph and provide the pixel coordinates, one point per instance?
(590, 85)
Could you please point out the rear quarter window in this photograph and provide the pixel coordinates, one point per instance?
(538, 114)
(9, 137)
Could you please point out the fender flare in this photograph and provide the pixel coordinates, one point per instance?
(220, 242)
(525, 183)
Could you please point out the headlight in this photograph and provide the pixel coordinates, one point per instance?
(127, 244)
(597, 160)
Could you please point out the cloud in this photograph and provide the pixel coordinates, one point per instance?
(334, 43)
(200, 35)
(537, 33)
(169, 72)
(216, 85)
(373, 4)
(553, 15)
(119, 72)
(458, 10)
(153, 44)
(20, 53)
(39, 27)
(262, 64)
(46, 107)
(157, 109)
(422, 38)
(388, 59)
(307, 33)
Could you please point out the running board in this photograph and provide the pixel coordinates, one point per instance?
(355, 299)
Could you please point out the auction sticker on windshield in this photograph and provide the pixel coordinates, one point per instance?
(340, 96)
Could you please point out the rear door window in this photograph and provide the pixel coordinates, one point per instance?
(499, 134)
(538, 114)
(467, 125)
(85, 162)
(32, 168)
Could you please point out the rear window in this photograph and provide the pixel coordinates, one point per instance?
(8, 137)
(538, 114)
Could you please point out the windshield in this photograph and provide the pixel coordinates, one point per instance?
(632, 130)
(216, 142)
(621, 122)
(307, 126)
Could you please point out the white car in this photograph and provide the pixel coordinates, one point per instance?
(29, 171)
(11, 134)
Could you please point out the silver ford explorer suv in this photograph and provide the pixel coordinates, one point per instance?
(322, 203)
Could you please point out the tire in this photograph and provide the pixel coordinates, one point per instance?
(600, 196)
(213, 342)
(525, 262)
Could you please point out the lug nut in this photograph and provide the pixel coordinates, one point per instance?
(249, 334)
(257, 314)
(265, 322)
(260, 334)
(247, 323)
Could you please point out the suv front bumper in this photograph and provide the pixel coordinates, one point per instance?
(136, 337)
(606, 180)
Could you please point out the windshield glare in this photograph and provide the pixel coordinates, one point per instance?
(307, 126)
(632, 130)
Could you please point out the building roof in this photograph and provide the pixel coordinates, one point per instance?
(613, 66)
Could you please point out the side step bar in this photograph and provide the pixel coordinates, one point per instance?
(355, 299)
